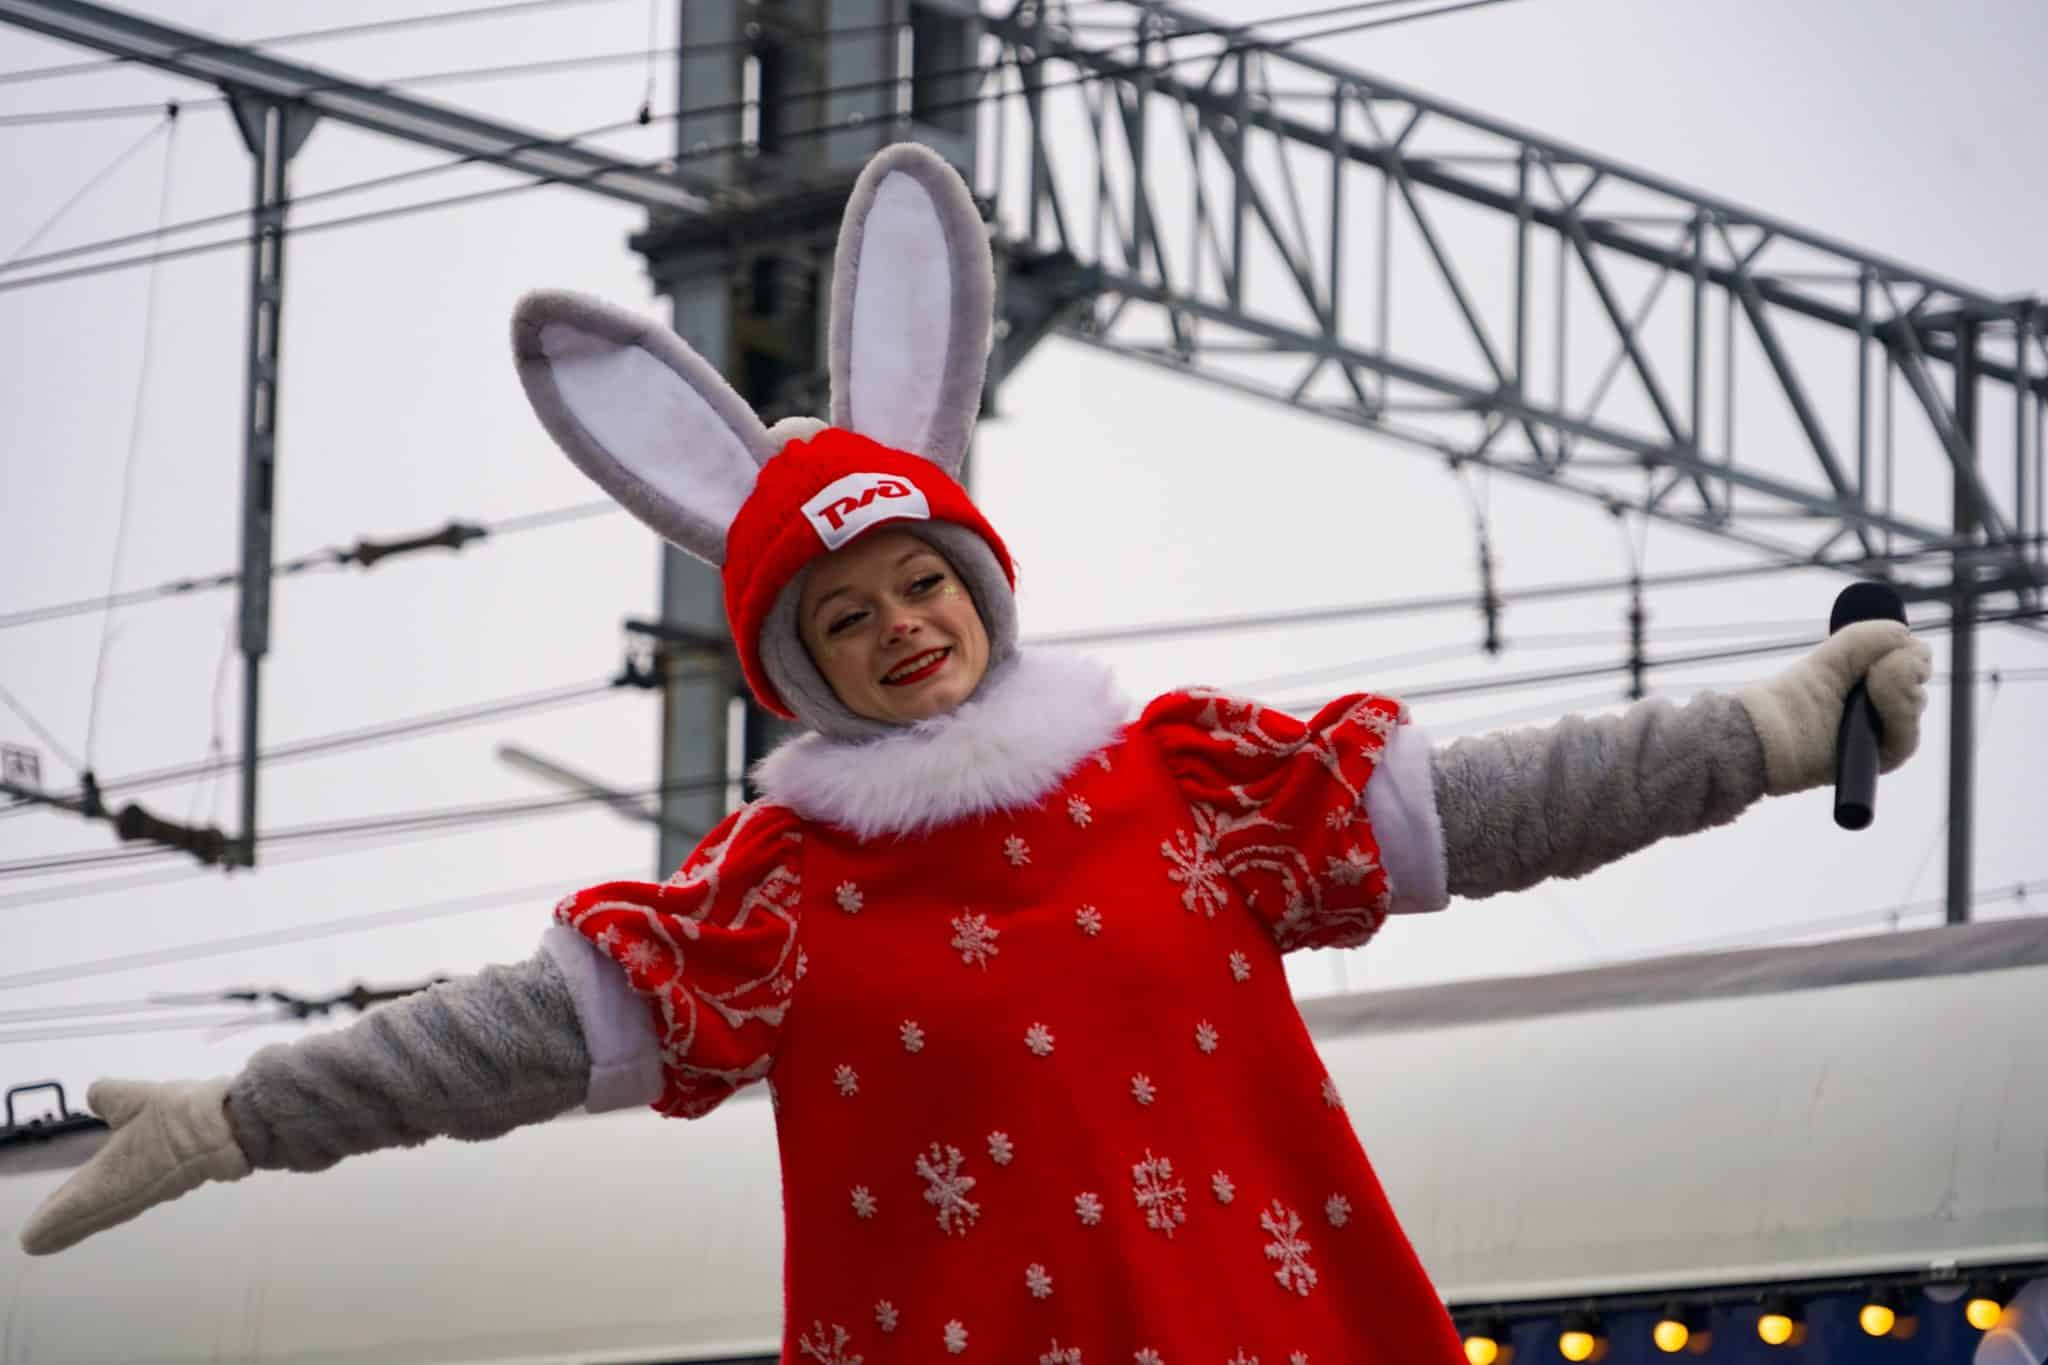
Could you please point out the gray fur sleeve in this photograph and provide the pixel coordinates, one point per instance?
(472, 1058)
(1521, 806)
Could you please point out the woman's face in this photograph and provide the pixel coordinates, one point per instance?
(892, 628)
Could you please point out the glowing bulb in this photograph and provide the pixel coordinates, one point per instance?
(1877, 1320)
(1774, 1328)
(1577, 1345)
(1983, 1312)
(1481, 1350)
(1671, 1335)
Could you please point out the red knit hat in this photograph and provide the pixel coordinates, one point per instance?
(815, 496)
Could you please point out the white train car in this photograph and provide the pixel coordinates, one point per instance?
(1688, 1128)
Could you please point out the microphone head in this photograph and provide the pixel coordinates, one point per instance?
(1867, 602)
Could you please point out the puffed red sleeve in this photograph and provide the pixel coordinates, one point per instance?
(1323, 827)
(713, 950)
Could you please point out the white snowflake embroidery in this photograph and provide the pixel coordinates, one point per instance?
(1142, 1089)
(1338, 1210)
(956, 1337)
(1088, 1209)
(1055, 1356)
(1330, 1095)
(1079, 811)
(1090, 920)
(1194, 866)
(803, 963)
(827, 1350)
(885, 1315)
(1240, 967)
(946, 1189)
(1289, 1248)
(641, 956)
(1341, 818)
(1220, 1186)
(1039, 1039)
(1148, 1356)
(1102, 760)
(1016, 850)
(1298, 1358)
(1206, 1037)
(912, 1035)
(1376, 722)
(863, 1202)
(1038, 1281)
(1242, 1359)
(607, 937)
(847, 1079)
(975, 940)
(1353, 868)
(1163, 1198)
(848, 896)
(1000, 1148)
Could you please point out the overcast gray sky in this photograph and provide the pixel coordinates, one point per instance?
(1912, 130)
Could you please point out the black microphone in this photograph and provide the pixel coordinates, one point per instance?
(1856, 738)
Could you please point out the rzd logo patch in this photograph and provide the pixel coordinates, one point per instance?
(846, 507)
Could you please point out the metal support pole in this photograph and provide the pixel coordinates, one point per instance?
(1962, 716)
(695, 703)
(273, 131)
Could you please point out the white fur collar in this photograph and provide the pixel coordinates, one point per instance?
(1008, 747)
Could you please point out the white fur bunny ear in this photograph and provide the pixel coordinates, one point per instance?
(642, 414)
(913, 293)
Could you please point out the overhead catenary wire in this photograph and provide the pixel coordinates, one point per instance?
(1462, 601)
(503, 9)
(138, 406)
(434, 819)
(93, 182)
(670, 161)
(533, 894)
(97, 113)
(1553, 677)
(470, 713)
(158, 874)
(100, 1009)
(362, 553)
(53, 1035)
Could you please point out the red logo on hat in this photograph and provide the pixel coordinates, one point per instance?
(846, 507)
(887, 488)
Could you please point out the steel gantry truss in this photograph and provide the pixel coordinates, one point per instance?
(1282, 225)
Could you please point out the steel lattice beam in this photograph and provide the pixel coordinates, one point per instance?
(1173, 232)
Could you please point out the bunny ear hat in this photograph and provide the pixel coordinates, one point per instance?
(659, 430)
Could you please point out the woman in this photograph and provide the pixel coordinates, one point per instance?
(1010, 961)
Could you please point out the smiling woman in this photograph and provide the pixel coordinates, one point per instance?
(888, 623)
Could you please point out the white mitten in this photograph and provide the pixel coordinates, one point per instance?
(1797, 713)
(168, 1138)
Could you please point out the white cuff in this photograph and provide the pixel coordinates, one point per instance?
(1400, 801)
(618, 1029)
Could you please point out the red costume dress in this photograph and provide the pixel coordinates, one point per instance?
(1041, 1088)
